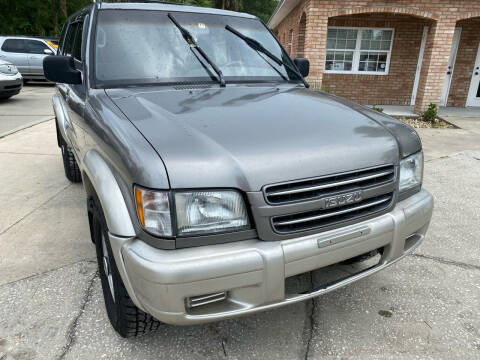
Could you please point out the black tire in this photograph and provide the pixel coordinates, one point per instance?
(72, 171)
(5, 97)
(127, 319)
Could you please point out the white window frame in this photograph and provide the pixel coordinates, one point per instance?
(357, 50)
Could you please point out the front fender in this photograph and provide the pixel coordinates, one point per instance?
(61, 118)
(109, 194)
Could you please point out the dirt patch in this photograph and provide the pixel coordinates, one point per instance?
(418, 123)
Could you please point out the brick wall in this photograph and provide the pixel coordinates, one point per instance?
(293, 22)
(394, 88)
(466, 55)
(441, 15)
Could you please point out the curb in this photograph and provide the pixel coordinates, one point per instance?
(448, 122)
(26, 126)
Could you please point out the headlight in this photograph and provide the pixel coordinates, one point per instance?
(411, 171)
(202, 212)
(153, 209)
(8, 69)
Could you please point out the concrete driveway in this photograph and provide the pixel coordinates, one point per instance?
(51, 307)
(32, 106)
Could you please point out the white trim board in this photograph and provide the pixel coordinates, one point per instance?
(451, 66)
(419, 65)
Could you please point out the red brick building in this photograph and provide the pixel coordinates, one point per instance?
(391, 52)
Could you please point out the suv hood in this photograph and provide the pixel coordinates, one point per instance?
(246, 137)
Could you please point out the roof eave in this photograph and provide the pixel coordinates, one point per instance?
(284, 8)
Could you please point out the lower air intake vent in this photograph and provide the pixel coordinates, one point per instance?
(197, 301)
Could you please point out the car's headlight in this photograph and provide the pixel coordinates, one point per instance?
(196, 212)
(411, 171)
(8, 69)
(153, 209)
(206, 212)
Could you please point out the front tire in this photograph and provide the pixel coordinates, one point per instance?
(127, 319)
(72, 171)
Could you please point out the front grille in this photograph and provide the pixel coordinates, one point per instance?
(303, 190)
(326, 217)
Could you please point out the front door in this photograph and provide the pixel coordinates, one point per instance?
(473, 98)
(36, 54)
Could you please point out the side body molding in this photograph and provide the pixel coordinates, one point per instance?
(109, 193)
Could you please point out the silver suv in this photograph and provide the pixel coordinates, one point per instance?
(217, 183)
(27, 54)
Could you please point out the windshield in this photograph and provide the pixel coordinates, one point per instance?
(135, 47)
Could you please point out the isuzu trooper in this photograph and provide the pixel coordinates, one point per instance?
(218, 183)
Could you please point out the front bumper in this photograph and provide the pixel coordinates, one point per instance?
(253, 272)
(10, 85)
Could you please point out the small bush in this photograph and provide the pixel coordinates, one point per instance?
(376, 108)
(431, 113)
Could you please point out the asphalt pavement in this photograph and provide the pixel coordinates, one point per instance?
(51, 306)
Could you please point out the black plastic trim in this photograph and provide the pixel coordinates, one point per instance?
(410, 192)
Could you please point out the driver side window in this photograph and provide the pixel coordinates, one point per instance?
(77, 47)
(70, 39)
(36, 47)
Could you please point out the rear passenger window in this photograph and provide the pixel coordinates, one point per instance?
(14, 46)
(36, 47)
(70, 40)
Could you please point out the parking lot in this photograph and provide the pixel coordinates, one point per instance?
(51, 306)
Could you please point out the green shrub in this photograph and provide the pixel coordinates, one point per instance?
(376, 108)
(431, 113)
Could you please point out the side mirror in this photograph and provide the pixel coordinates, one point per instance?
(61, 69)
(303, 66)
(48, 52)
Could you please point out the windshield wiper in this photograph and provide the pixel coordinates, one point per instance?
(255, 45)
(193, 44)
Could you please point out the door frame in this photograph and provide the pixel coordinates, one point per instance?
(419, 65)
(451, 66)
(474, 82)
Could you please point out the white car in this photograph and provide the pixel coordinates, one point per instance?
(11, 80)
(27, 54)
